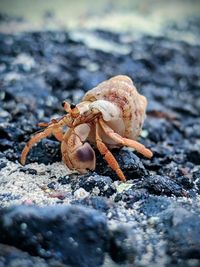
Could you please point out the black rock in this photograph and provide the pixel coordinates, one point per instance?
(101, 184)
(193, 155)
(8, 135)
(131, 196)
(186, 182)
(28, 170)
(52, 185)
(73, 235)
(130, 164)
(159, 129)
(162, 185)
(10, 256)
(121, 248)
(97, 203)
(2, 165)
(154, 205)
(64, 180)
(46, 151)
(183, 234)
(196, 177)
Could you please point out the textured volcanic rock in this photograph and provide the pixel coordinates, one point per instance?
(122, 245)
(101, 185)
(130, 164)
(73, 235)
(10, 256)
(184, 234)
(153, 217)
(160, 185)
(131, 196)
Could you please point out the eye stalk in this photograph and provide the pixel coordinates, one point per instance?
(74, 111)
(71, 109)
(72, 106)
(66, 106)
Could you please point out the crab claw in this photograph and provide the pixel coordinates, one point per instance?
(85, 157)
(77, 154)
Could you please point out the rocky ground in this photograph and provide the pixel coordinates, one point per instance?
(52, 217)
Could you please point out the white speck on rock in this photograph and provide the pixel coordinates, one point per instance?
(81, 193)
(96, 191)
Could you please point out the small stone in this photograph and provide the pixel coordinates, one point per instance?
(64, 180)
(122, 247)
(130, 164)
(193, 155)
(153, 220)
(95, 184)
(52, 185)
(97, 203)
(13, 257)
(154, 206)
(123, 187)
(29, 171)
(162, 185)
(2, 165)
(81, 193)
(184, 235)
(131, 196)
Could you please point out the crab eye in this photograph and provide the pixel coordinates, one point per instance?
(72, 106)
(74, 111)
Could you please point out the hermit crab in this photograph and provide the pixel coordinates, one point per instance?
(110, 115)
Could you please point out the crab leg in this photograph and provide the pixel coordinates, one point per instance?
(125, 141)
(57, 132)
(108, 156)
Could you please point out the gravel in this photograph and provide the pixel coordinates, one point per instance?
(153, 218)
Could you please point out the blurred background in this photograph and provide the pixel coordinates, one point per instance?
(127, 15)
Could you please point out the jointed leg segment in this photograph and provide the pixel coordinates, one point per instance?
(125, 141)
(56, 131)
(108, 156)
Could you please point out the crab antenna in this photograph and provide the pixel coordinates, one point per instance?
(74, 111)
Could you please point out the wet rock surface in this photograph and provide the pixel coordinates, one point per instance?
(10, 256)
(72, 235)
(153, 218)
(184, 235)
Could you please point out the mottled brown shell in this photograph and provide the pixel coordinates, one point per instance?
(121, 91)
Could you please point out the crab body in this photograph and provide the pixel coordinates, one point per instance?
(110, 115)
